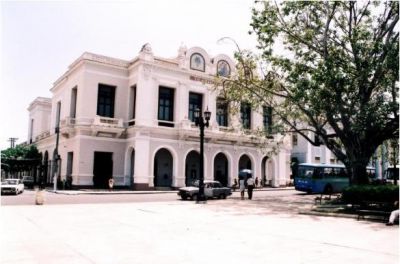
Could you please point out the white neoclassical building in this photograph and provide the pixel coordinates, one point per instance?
(133, 120)
(305, 152)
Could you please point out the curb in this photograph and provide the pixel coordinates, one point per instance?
(93, 192)
(339, 215)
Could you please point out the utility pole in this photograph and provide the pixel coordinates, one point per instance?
(56, 157)
(12, 141)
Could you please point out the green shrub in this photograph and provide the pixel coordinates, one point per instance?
(379, 193)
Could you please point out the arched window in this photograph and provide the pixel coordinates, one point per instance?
(197, 62)
(223, 68)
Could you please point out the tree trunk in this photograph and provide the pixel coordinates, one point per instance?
(358, 172)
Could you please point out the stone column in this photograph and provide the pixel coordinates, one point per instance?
(143, 172)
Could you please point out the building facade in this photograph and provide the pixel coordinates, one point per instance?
(305, 152)
(134, 121)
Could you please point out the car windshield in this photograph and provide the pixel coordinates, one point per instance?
(11, 181)
(195, 183)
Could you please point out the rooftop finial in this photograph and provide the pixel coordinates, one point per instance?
(146, 48)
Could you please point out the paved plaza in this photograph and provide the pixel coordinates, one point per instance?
(221, 231)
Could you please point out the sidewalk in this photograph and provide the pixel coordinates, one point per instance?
(117, 191)
(179, 232)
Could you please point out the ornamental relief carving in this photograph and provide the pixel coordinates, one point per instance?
(147, 71)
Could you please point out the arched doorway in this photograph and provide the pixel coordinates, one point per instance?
(46, 170)
(221, 169)
(163, 162)
(264, 181)
(192, 167)
(244, 162)
(270, 173)
(132, 170)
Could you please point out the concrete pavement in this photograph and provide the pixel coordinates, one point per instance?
(221, 231)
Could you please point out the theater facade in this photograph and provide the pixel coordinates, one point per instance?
(133, 120)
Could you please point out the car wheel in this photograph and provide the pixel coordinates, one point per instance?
(194, 197)
(223, 196)
(184, 197)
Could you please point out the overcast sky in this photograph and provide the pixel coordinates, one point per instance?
(39, 40)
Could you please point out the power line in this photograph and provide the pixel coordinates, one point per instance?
(12, 141)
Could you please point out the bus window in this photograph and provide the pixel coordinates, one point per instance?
(328, 172)
(318, 173)
(305, 172)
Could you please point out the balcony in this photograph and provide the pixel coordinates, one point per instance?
(98, 126)
(107, 127)
(42, 135)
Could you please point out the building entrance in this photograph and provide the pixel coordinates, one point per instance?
(221, 169)
(163, 169)
(192, 171)
(102, 169)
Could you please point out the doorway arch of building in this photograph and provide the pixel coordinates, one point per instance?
(221, 168)
(46, 168)
(245, 162)
(163, 168)
(174, 162)
(192, 167)
(271, 175)
(130, 167)
(264, 181)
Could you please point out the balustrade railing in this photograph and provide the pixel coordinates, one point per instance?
(108, 121)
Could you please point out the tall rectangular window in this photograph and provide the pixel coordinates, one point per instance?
(222, 112)
(195, 101)
(70, 158)
(166, 106)
(294, 140)
(74, 93)
(267, 118)
(58, 115)
(132, 106)
(31, 132)
(105, 100)
(245, 115)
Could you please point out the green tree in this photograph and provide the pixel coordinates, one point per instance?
(327, 67)
(20, 151)
(20, 158)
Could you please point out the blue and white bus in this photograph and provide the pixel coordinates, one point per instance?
(323, 178)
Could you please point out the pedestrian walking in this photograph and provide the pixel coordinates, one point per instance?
(241, 188)
(235, 184)
(256, 182)
(242, 179)
(110, 184)
(250, 187)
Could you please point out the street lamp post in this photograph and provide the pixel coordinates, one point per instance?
(56, 159)
(201, 123)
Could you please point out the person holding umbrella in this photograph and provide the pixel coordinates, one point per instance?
(242, 179)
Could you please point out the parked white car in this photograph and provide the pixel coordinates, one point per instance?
(212, 189)
(13, 186)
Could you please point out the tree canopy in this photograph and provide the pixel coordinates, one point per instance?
(20, 158)
(330, 69)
